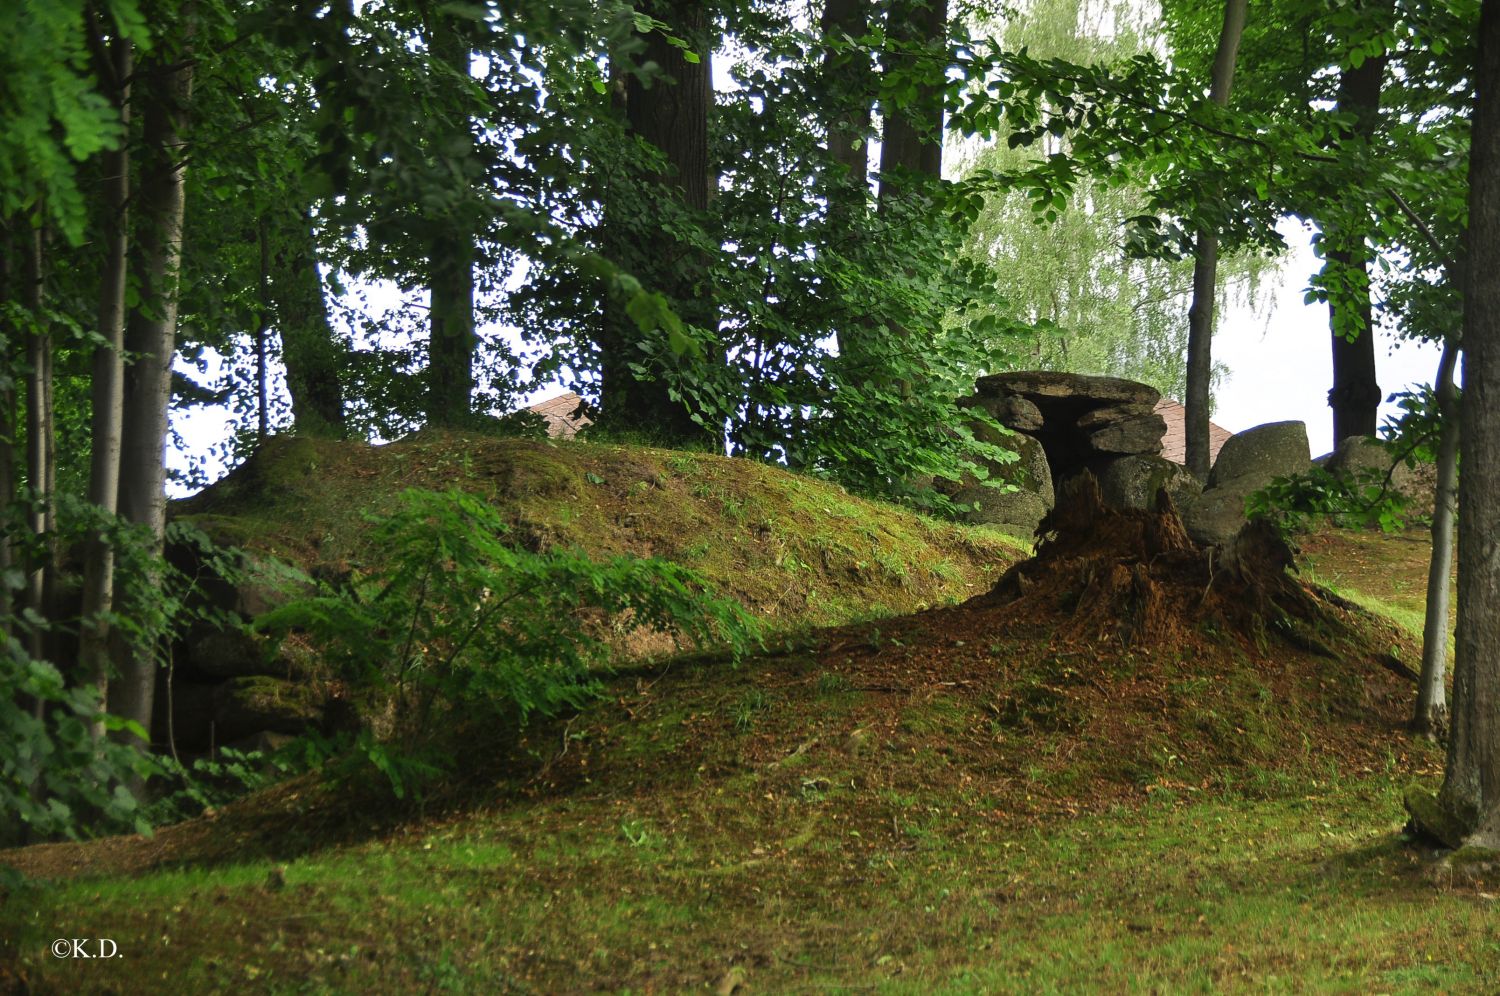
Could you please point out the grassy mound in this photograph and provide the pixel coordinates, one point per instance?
(791, 549)
(1186, 776)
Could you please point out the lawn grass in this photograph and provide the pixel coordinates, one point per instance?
(923, 805)
(1312, 891)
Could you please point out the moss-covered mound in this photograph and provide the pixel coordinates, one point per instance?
(792, 549)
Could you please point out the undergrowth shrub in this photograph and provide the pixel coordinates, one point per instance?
(455, 628)
(57, 778)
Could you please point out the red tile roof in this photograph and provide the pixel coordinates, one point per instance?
(1174, 443)
(560, 412)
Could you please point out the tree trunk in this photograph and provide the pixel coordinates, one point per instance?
(262, 333)
(450, 357)
(451, 345)
(1355, 397)
(848, 85)
(1471, 783)
(1205, 269)
(912, 139)
(40, 464)
(150, 337)
(8, 424)
(671, 115)
(313, 354)
(107, 390)
(1431, 716)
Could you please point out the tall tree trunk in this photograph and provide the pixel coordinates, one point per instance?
(8, 424)
(108, 387)
(263, 333)
(1471, 782)
(912, 139)
(1206, 269)
(310, 348)
(451, 346)
(40, 462)
(1355, 397)
(450, 354)
(848, 88)
(672, 115)
(1431, 715)
(848, 93)
(150, 337)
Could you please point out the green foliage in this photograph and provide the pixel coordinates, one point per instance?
(186, 790)
(1087, 305)
(1363, 498)
(53, 115)
(459, 628)
(1367, 496)
(56, 778)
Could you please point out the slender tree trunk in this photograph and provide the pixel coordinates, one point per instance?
(671, 115)
(263, 333)
(311, 350)
(1431, 716)
(1206, 268)
(1471, 783)
(40, 465)
(912, 139)
(8, 423)
(848, 89)
(1355, 397)
(452, 343)
(451, 348)
(151, 339)
(108, 390)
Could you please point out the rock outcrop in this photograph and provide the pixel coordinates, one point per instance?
(1249, 461)
(1358, 455)
(1062, 425)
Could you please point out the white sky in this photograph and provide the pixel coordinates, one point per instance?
(1280, 360)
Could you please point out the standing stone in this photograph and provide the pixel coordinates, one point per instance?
(1255, 456)
(1249, 461)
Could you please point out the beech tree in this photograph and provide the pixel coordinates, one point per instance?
(669, 113)
(1205, 270)
(1471, 781)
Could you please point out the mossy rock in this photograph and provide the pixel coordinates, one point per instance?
(1429, 818)
(245, 706)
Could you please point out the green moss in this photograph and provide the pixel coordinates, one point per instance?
(1431, 819)
(794, 550)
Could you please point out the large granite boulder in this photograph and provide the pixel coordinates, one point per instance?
(1250, 459)
(1133, 481)
(1011, 410)
(1138, 434)
(1355, 455)
(1082, 422)
(1067, 424)
(1021, 509)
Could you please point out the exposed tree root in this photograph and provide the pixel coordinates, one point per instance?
(1137, 577)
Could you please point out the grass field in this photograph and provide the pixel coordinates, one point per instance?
(946, 802)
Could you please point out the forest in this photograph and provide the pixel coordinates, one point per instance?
(718, 677)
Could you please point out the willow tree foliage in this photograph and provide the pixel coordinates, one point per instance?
(1090, 306)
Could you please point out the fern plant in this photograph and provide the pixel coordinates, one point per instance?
(456, 626)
